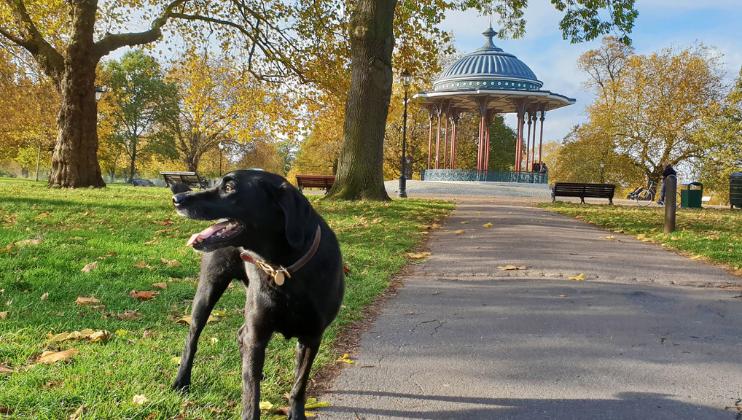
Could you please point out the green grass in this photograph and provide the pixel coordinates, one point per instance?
(110, 226)
(711, 233)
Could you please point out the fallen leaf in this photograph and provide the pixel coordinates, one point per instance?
(512, 267)
(695, 257)
(176, 360)
(416, 255)
(187, 319)
(3, 370)
(162, 285)
(139, 399)
(563, 295)
(142, 265)
(346, 270)
(3, 315)
(82, 300)
(579, 277)
(90, 267)
(464, 223)
(214, 340)
(487, 225)
(607, 237)
(154, 240)
(59, 337)
(345, 359)
(460, 231)
(48, 357)
(128, 315)
(312, 404)
(25, 242)
(166, 222)
(100, 336)
(77, 414)
(144, 294)
(265, 405)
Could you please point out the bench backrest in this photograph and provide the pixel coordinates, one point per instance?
(584, 189)
(188, 178)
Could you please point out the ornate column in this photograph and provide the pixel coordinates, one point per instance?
(438, 111)
(541, 141)
(454, 116)
(482, 103)
(430, 137)
(533, 143)
(488, 123)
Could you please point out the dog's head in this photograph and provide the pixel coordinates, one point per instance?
(253, 209)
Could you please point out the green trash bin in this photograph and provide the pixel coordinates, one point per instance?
(691, 195)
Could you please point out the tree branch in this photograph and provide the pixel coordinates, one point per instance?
(112, 42)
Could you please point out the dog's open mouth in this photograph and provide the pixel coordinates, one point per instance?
(220, 232)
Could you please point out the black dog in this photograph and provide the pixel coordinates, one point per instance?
(289, 261)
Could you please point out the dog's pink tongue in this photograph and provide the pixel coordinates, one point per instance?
(206, 232)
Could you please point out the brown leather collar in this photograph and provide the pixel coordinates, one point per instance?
(272, 271)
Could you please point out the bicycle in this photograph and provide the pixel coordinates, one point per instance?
(645, 195)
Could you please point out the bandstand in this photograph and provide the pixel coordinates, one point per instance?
(487, 82)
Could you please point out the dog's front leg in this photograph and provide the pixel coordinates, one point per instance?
(306, 350)
(252, 344)
(216, 274)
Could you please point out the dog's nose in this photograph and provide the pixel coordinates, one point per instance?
(177, 199)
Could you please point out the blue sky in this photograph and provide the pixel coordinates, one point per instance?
(661, 24)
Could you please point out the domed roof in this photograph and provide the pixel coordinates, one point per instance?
(488, 67)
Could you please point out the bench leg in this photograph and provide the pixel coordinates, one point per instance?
(610, 201)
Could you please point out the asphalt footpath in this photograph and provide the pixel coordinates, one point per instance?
(638, 333)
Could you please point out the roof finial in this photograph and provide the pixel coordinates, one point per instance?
(489, 34)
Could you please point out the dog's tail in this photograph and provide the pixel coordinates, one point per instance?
(179, 187)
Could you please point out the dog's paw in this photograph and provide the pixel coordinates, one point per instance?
(181, 388)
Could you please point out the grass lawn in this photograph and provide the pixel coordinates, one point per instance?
(135, 239)
(708, 233)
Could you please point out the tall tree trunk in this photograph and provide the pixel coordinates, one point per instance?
(360, 175)
(75, 161)
(133, 159)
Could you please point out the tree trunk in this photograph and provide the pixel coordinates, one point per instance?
(75, 160)
(360, 174)
(133, 160)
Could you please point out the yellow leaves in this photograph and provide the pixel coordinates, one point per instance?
(3, 315)
(487, 225)
(510, 267)
(265, 405)
(139, 400)
(49, 357)
(579, 277)
(90, 267)
(464, 223)
(345, 359)
(608, 237)
(188, 319)
(417, 256)
(312, 404)
(695, 257)
(90, 335)
(161, 285)
(460, 231)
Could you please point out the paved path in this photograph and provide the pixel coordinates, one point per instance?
(463, 340)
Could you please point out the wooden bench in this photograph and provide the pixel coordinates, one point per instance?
(315, 181)
(582, 190)
(189, 178)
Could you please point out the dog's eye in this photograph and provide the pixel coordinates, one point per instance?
(228, 188)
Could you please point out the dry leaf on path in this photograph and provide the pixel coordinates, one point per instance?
(49, 357)
(459, 232)
(162, 285)
(345, 359)
(607, 237)
(487, 225)
(579, 277)
(144, 294)
(90, 267)
(464, 223)
(82, 300)
(416, 256)
(512, 267)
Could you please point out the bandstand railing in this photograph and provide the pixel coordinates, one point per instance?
(484, 175)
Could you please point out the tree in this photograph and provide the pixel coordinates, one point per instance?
(141, 100)
(281, 39)
(723, 136)
(650, 107)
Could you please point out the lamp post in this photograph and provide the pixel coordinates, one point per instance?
(221, 149)
(602, 166)
(406, 79)
(99, 93)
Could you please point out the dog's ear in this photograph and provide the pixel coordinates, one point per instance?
(179, 187)
(296, 213)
